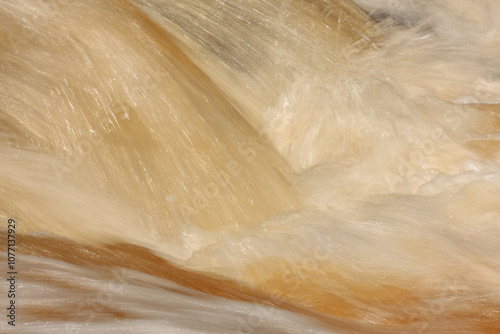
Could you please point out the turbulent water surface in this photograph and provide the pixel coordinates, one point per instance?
(258, 166)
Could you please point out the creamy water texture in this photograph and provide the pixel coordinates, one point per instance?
(260, 166)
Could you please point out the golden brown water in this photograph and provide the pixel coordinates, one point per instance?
(251, 166)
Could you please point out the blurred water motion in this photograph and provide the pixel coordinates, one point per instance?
(225, 166)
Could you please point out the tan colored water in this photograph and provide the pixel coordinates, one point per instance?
(251, 166)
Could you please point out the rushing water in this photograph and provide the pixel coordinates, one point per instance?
(258, 166)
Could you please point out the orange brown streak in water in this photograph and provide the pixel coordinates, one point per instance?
(308, 288)
(140, 259)
(61, 313)
(335, 293)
